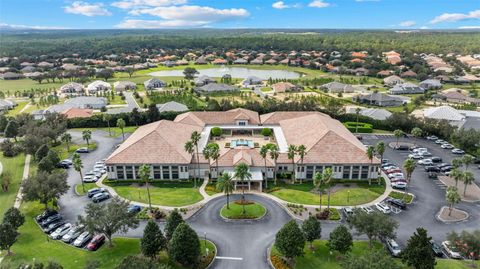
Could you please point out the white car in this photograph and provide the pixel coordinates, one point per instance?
(90, 179)
(399, 184)
(396, 175)
(458, 151)
(446, 146)
(61, 231)
(440, 141)
(393, 247)
(82, 239)
(415, 156)
(367, 209)
(382, 207)
(451, 250)
(432, 137)
(420, 150)
(425, 162)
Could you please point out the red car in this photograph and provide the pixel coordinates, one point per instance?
(96, 242)
(389, 171)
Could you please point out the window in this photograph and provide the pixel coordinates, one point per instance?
(129, 172)
(355, 171)
(364, 174)
(309, 172)
(346, 171)
(242, 123)
(137, 172)
(166, 172)
(157, 173)
(318, 169)
(120, 174)
(174, 172)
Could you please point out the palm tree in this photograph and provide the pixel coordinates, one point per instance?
(467, 160)
(144, 174)
(417, 132)
(225, 185)
(189, 148)
(263, 152)
(370, 155)
(302, 151)
(195, 137)
(318, 181)
(357, 111)
(327, 178)
(380, 149)
(215, 154)
(456, 163)
(66, 138)
(242, 173)
(468, 179)
(409, 166)
(87, 135)
(457, 175)
(397, 133)
(274, 155)
(452, 198)
(121, 125)
(291, 156)
(78, 165)
(207, 155)
(107, 118)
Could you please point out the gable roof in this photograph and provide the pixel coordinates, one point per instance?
(276, 117)
(164, 141)
(172, 106)
(245, 155)
(202, 118)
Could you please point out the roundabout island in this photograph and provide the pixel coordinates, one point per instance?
(235, 210)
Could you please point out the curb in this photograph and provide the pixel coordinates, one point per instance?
(214, 257)
(243, 220)
(451, 221)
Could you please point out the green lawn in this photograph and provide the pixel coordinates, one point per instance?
(401, 195)
(301, 194)
(14, 166)
(88, 186)
(117, 100)
(26, 84)
(161, 193)
(235, 211)
(211, 188)
(63, 153)
(114, 130)
(18, 108)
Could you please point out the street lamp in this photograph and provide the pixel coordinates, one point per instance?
(348, 196)
(205, 240)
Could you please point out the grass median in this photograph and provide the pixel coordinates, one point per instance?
(235, 211)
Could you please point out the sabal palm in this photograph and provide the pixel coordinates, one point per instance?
(242, 173)
(380, 148)
(468, 179)
(397, 133)
(292, 150)
(409, 166)
(144, 174)
(66, 138)
(263, 152)
(195, 137)
(452, 198)
(225, 184)
(318, 181)
(87, 135)
(107, 118)
(189, 148)
(78, 165)
(302, 151)
(457, 175)
(370, 155)
(417, 132)
(327, 178)
(121, 124)
(274, 155)
(467, 160)
(215, 154)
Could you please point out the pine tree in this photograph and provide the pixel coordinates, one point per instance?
(184, 247)
(152, 241)
(172, 221)
(311, 229)
(418, 252)
(290, 241)
(340, 240)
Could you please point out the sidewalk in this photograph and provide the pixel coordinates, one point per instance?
(26, 171)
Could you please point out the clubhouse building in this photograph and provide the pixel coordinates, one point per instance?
(162, 145)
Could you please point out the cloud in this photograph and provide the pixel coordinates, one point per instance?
(87, 9)
(35, 27)
(155, 24)
(131, 4)
(407, 23)
(200, 14)
(470, 27)
(282, 5)
(453, 17)
(424, 27)
(318, 4)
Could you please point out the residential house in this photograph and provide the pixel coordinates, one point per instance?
(121, 86)
(252, 81)
(430, 84)
(406, 88)
(393, 80)
(73, 112)
(281, 87)
(172, 106)
(215, 87)
(11, 76)
(203, 80)
(6, 104)
(72, 89)
(240, 61)
(374, 113)
(154, 83)
(337, 87)
(98, 86)
(378, 99)
(91, 102)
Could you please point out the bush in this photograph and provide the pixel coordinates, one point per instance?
(266, 132)
(323, 215)
(9, 148)
(278, 262)
(216, 131)
(361, 127)
(244, 202)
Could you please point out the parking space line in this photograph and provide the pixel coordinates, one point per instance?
(229, 258)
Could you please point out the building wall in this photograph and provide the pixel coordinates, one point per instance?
(157, 171)
(347, 171)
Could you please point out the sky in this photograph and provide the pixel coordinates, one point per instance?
(317, 14)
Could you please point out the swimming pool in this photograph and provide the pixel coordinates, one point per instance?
(241, 143)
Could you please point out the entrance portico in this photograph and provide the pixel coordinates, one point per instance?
(255, 183)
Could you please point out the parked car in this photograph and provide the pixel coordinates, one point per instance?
(53, 226)
(398, 203)
(393, 247)
(425, 162)
(440, 141)
(72, 234)
(134, 208)
(60, 231)
(97, 173)
(446, 146)
(437, 250)
(82, 150)
(62, 165)
(90, 179)
(47, 213)
(100, 197)
(96, 242)
(425, 154)
(394, 170)
(447, 168)
(382, 207)
(401, 147)
(348, 212)
(399, 185)
(385, 161)
(432, 137)
(92, 192)
(367, 209)
(415, 156)
(451, 250)
(443, 164)
(82, 239)
(392, 175)
(432, 175)
(51, 219)
(458, 151)
(432, 168)
(436, 159)
(419, 150)
(390, 167)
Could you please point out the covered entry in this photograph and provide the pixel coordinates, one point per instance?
(255, 183)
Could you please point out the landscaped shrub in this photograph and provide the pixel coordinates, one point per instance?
(323, 215)
(361, 127)
(216, 131)
(244, 202)
(278, 262)
(266, 132)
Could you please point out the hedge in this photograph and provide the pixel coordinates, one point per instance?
(360, 127)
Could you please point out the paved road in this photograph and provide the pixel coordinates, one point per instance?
(131, 104)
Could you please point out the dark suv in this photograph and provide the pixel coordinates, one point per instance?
(398, 203)
(432, 168)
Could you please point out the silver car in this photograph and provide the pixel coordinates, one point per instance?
(82, 239)
(61, 231)
(393, 247)
(72, 234)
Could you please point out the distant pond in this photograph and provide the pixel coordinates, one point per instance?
(235, 72)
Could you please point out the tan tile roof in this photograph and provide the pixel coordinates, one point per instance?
(246, 155)
(202, 118)
(159, 142)
(276, 117)
(77, 113)
(326, 140)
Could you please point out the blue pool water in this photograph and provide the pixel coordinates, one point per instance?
(239, 143)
